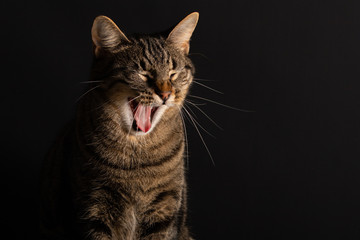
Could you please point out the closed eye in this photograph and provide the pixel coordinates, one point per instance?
(173, 75)
(145, 76)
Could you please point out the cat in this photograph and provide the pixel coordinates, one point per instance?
(117, 171)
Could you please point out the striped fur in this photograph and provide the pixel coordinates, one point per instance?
(103, 179)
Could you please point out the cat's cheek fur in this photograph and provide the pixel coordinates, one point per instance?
(157, 116)
(126, 114)
(160, 112)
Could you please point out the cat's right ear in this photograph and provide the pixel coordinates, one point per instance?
(106, 35)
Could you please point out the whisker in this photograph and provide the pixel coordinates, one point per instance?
(199, 104)
(92, 82)
(194, 115)
(186, 139)
(201, 84)
(203, 79)
(221, 104)
(200, 54)
(199, 123)
(91, 89)
(202, 139)
(217, 125)
(134, 99)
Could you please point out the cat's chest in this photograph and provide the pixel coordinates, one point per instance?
(145, 181)
(145, 194)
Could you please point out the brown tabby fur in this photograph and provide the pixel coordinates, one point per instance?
(105, 180)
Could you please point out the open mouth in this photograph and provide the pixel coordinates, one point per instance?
(143, 116)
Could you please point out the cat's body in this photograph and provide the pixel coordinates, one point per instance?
(117, 172)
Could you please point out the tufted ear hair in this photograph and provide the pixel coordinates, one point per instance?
(106, 35)
(181, 34)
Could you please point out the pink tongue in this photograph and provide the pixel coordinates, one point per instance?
(142, 117)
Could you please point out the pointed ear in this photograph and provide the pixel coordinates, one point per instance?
(181, 34)
(106, 35)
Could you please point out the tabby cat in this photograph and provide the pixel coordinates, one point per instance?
(117, 171)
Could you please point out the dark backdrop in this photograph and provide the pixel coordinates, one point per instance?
(290, 170)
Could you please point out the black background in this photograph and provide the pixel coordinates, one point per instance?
(290, 170)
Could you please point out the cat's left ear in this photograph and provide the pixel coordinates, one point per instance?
(181, 34)
(106, 35)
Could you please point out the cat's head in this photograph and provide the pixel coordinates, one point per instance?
(143, 75)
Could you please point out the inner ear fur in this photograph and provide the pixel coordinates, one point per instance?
(106, 35)
(181, 34)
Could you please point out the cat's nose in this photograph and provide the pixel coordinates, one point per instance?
(165, 95)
